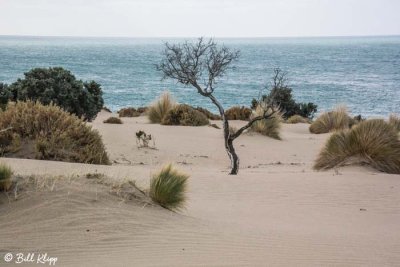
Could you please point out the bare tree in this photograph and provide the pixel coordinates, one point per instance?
(200, 64)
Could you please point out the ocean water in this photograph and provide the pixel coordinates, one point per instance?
(360, 72)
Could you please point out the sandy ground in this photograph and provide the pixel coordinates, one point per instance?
(276, 212)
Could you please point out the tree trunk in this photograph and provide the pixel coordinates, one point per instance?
(233, 156)
(227, 137)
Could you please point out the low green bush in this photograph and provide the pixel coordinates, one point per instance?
(209, 115)
(238, 113)
(60, 87)
(184, 115)
(113, 120)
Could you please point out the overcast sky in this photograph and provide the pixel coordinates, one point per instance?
(190, 18)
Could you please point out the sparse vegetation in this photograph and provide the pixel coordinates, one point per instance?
(394, 120)
(160, 108)
(374, 142)
(270, 127)
(238, 113)
(297, 119)
(129, 112)
(5, 177)
(60, 87)
(184, 115)
(5, 95)
(209, 115)
(168, 188)
(113, 120)
(48, 132)
(337, 119)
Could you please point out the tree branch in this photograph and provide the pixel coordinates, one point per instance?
(251, 122)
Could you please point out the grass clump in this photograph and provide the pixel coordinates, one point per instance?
(168, 188)
(337, 119)
(5, 177)
(394, 120)
(113, 120)
(50, 133)
(374, 142)
(297, 119)
(238, 113)
(184, 115)
(268, 127)
(160, 108)
(128, 112)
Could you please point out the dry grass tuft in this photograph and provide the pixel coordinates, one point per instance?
(373, 142)
(168, 188)
(5, 177)
(184, 115)
(157, 111)
(394, 120)
(49, 133)
(297, 119)
(113, 120)
(238, 113)
(337, 119)
(270, 127)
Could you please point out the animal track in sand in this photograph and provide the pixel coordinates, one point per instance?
(275, 164)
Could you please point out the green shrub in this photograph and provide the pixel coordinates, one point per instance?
(268, 127)
(5, 95)
(160, 108)
(168, 188)
(281, 96)
(337, 119)
(238, 113)
(374, 142)
(394, 120)
(53, 133)
(128, 112)
(59, 86)
(209, 115)
(184, 115)
(5, 177)
(297, 119)
(113, 120)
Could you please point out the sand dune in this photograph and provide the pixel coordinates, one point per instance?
(276, 212)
